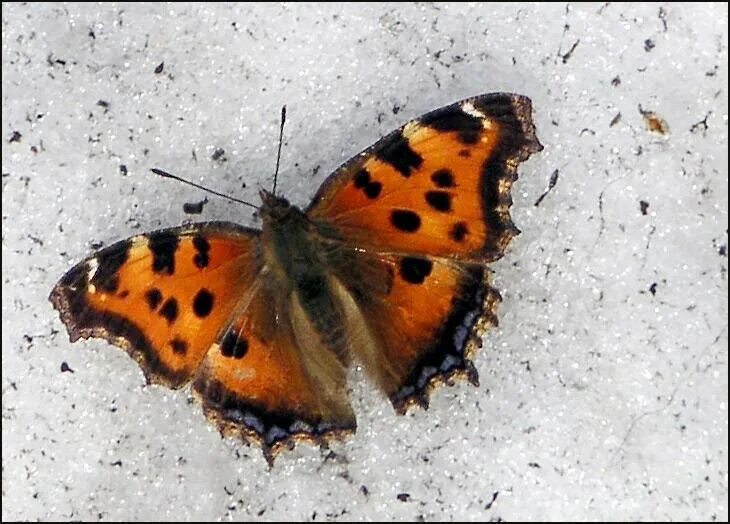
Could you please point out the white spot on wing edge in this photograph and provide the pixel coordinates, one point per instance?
(139, 241)
(91, 267)
(469, 109)
(411, 128)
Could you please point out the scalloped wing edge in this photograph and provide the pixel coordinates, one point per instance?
(238, 420)
(483, 315)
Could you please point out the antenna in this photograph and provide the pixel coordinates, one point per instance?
(165, 174)
(278, 155)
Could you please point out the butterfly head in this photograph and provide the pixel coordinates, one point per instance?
(275, 208)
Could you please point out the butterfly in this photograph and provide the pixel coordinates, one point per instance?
(386, 268)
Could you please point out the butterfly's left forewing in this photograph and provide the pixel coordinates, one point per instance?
(162, 296)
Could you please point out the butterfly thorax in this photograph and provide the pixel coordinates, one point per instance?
(287, 240)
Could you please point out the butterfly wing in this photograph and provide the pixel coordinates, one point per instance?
(191, 304)
(271, 378)
(162, 296)
(414, 322)
(437, 186)
(416, 216)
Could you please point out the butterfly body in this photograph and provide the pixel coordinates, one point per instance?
(385, 268)
(291, 252)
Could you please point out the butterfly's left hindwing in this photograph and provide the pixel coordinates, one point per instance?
(271, 379)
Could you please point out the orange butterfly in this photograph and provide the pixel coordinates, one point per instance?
(386, 267)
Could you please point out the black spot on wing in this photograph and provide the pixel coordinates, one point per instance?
(439, 200)
(154, 298)
(405, 220)
(415, 270)
(169, 310)
(109, 261)
(361, 179)
(111, 284)
(201, 258)
(179, 347)
(458, 232)
(163, 246)
(203, 303)
(373, 189)
(443, 178)
(234, 346)
(453, 119)
(398, 153)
